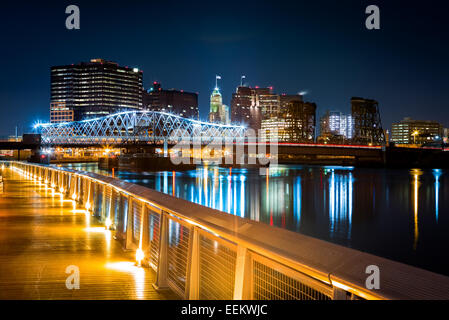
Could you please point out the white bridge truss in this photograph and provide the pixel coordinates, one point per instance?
(135, 127)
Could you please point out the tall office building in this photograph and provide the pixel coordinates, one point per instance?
(96, 88)
(244, 109)
(184, 104)
(267, 101)
(295, 123)
(219, 112)
(367, 122)
(286, 99)
(251, 105)
(216, 102)
(409, 131)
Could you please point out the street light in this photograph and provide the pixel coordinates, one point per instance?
(414, 134)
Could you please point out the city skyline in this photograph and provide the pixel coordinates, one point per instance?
(390, 65)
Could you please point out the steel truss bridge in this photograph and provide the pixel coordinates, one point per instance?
(134, 127)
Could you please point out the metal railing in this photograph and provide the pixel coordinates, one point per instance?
(201, 253)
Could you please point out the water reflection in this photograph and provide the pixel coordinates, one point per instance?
(340, 203)
(416, 173)
(437, 174)
(278, 200)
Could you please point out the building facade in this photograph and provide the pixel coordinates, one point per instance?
(367, 123)
(336, 127)
(60, 113)
(295, 123)
(184, 104)
(409, 131)
(96, 88)
(252, 105)
(219, 112)
(244, 109)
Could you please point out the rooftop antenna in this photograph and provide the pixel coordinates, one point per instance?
(241, 80)
(216, 81)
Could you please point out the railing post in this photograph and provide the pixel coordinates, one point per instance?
(66, 184)
(60, 180)
(144, 232)
(104, 212)
(129, 224)
(338, 294)
(243, 270)
(73, 189)
(62, 184)
(90, 196)
(110, 213)
(193, 292)
(162, 266)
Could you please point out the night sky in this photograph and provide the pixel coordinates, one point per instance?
(319, 46)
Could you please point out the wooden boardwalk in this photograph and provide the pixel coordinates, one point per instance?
(41, 235)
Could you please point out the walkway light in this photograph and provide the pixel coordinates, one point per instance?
(74, 196)
(61, 190)
(108, 223)
(139, 256)
(87, 206)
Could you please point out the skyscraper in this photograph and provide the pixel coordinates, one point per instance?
(219, 112)
(216, 103)
(96, 88)
(244, 109)
(267, 101)
(252, 105)
(295, 123)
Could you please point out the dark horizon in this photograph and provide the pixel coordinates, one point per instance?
(321, 47)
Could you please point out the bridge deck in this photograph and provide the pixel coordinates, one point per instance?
(40, 236)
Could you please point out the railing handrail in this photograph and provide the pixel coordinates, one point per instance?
(329, 263)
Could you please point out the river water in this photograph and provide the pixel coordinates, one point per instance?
(402, 215)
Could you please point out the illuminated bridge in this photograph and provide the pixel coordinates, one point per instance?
(70, 217)
(133, 127)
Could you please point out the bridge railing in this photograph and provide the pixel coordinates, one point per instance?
(134, 126)
(201, 253)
